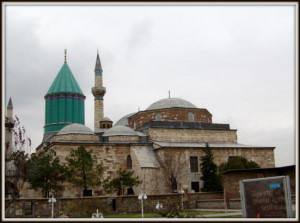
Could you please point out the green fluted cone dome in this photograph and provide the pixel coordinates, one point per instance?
(64, 102)
(65, 82)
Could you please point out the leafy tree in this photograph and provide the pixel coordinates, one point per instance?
(211, 180)
(124, 179)
(81, 170)
(17, 168)
(238, 162)
(45, 172)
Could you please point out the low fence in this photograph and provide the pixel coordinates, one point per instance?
(85, 207)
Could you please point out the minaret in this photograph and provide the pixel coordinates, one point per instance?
(98, 91)
(9, 125)
(9, 110)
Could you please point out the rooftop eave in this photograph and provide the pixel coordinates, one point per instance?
(55, 93)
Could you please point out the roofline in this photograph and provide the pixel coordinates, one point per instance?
(188, 147)
(74, 133)
(159, 109)
(97, 143)
(117, 135)
(212, 147)
(157, 127)
(185, 125)
(258, 169)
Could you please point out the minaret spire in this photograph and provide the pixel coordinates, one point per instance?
(98, 66)
(10, 105)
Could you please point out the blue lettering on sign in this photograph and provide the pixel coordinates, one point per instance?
(275, 185)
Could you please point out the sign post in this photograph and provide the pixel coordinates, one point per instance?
(266, 197)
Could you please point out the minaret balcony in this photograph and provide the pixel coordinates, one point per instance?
(98, 91)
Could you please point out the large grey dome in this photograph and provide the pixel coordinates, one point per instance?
(75, 128)
(171, 103)
(121, 130)
(124, 119)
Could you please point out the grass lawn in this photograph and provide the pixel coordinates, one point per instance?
(135, 215)
(186, 212)
(156, 215)
(235, 216)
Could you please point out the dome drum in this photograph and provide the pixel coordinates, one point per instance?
(75, 132)
(106, 123)
(74, 137)
(122, 133)
(170, 114)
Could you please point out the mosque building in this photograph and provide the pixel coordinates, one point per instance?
(167, 137)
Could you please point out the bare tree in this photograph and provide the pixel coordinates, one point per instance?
(174, 168)
(16, 157)
(21, 141)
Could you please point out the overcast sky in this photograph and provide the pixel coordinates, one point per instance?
(236, 61)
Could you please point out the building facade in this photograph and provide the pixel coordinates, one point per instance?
(166, 138)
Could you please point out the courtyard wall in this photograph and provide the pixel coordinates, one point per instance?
(85, 207)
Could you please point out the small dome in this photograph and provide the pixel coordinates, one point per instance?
(121, 130)
(75, 128)
(106, 119)
(171, 103)
(124, 119)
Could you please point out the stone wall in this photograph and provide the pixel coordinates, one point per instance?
(112, 157)
(232, 178)
(74, 137)
(85, 207)
(191, 135)
(123, 139)
(263, 156)
(170, 114)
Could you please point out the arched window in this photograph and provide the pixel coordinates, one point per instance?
(191, 116)
(129, 162)
(158, 117)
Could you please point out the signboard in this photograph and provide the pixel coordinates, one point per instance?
(266, 197)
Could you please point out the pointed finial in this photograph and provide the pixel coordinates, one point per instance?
(98, 67)
(97, 50)
(169, 94)
(65, 55)
(9, 105)
(139, 108)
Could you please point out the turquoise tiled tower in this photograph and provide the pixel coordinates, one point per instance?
(64, 102)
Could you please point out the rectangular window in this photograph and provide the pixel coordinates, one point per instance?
(194, 164)
(86, 193)
(28, 208)
(195, 186)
